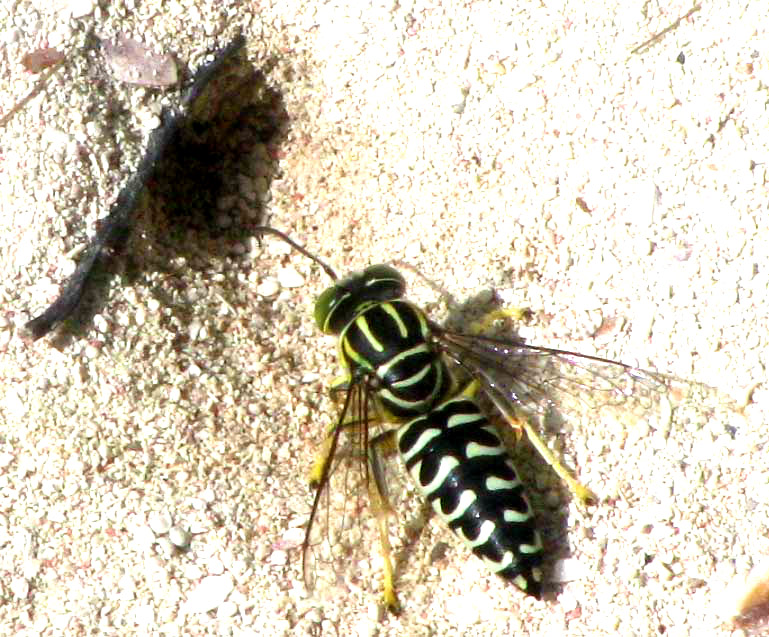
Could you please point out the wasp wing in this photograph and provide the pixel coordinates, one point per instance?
(539, 381)
(342, 534)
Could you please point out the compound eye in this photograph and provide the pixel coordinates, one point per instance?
(324, 307)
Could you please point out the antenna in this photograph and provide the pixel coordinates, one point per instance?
(282, 235)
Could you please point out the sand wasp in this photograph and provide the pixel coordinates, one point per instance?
(422, 384)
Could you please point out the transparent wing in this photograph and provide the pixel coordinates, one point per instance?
(341, 545)
(540, 381)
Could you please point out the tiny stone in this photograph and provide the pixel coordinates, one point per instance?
(215, 566)
(144, 537)
(226, 609)
(413, 251)
(293, 537)
(657, 570)
(151, 122)
(279, 558)
(11, 35)
(209, 594)
(568, 570)
(160, 521)
(179, 537)
(20, 587)
(165, 547)
(100, 323)
(290, 278)
(567, 602)
(91, 352)
(268, 288)
(80, 8)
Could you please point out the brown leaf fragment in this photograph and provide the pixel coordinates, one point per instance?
(41, 59)
(134, 63)
(583, 205)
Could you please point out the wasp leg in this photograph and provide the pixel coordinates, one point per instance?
(484, 323)
(383, 445)
(583, 493)
(323, 457)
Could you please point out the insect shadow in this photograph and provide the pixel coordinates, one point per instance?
(197, 191)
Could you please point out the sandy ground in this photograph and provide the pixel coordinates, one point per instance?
(554, 154)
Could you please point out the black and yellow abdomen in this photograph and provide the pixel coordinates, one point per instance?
(464, 471)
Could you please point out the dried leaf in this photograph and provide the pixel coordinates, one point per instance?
(41, 59)
(132, 62)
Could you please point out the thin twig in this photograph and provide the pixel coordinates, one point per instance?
(642, 48)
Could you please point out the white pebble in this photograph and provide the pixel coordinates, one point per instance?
(100, 323)
(179, 537)
(292, 538)
(215, 566)
(290, 278)
(568, 570)
(268, 288)
(80, 8)
(9, 36)
(20, 588)
(210, 593)
(160, 521)
(226, 609)
(279, 558)
(144, 615)
(144, 538)
(165, 547)
(91, 352)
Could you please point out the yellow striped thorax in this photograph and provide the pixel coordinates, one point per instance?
(384, 341)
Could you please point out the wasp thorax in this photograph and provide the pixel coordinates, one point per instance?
(339, 304)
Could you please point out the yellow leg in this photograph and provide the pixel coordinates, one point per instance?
(322, 458)
(585, 495)
(384, 444)
(484, 324)
(380, 446)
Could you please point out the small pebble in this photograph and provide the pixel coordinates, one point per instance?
(209, 594)
(268, 288)
(568, 570)
(160, 521)
(290, 278)
(165, 547)
(80, 8)
(226, 609)
(278, 558)
(215, 566)
(179, 537)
